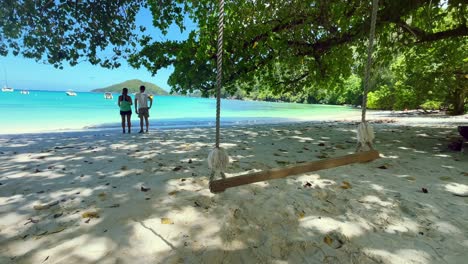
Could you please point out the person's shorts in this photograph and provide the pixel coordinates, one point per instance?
(125, 113)
(143, 112)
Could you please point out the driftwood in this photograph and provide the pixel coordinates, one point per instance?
(277, 173)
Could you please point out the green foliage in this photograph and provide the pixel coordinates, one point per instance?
(69, 31)
(432, 105)
(380, 99)
(133, 87)
(350, 92)
(287, 46)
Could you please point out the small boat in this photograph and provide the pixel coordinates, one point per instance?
(108, 96)
(7, 89)
(70, 93)
(24, 92)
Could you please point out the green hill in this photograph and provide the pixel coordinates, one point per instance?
(133, 87)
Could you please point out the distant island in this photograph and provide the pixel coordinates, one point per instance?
(133, 87)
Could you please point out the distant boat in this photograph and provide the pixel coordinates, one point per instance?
(24, 92)
(70, 93)
(108, 96)
(8, 89)
(5, 88)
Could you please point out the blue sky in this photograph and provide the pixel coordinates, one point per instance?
(22, 73)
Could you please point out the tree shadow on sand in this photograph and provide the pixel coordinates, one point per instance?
(309, 218)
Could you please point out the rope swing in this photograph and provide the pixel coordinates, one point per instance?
(365, 132)
(218, 159)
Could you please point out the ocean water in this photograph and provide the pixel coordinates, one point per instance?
(44, 111)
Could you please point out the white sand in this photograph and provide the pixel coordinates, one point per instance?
(383, 218)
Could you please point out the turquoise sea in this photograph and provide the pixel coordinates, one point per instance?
(43, 111)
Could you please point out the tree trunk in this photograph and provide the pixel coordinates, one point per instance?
(459, 96)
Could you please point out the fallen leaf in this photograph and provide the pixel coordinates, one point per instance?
(90, 214)
(323, 156)
(45, 206)
(38, 235)
(31, 220)
(339, 146)
(282, 162)
(328, 240)
(57, 230)
(58, 215)
(345, 185)
(301, 214)
(166, 221)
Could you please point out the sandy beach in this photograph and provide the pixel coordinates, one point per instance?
(104, 197)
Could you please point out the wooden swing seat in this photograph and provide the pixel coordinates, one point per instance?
(221, 185)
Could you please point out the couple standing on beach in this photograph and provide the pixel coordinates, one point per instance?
(141, 108)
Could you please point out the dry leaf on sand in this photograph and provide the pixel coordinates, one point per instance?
(345, 185)
(166, 221)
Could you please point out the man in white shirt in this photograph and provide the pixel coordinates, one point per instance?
(141, 107)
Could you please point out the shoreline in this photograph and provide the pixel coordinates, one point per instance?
(412, 117)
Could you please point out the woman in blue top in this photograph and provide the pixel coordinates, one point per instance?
(125, 104)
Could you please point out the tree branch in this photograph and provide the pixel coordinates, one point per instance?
(423, 36)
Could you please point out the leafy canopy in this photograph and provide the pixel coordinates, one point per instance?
(69, 31)
(287, 46)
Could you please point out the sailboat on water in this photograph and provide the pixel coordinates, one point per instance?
(70, 93)
(6, 88)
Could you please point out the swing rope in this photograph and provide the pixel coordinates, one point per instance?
(218, 159)
(219, 67)
(365, 131)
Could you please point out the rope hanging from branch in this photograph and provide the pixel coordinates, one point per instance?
(218, 158)
(365, 132)
(219, 68)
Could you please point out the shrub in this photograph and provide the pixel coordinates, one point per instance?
(431, 105)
